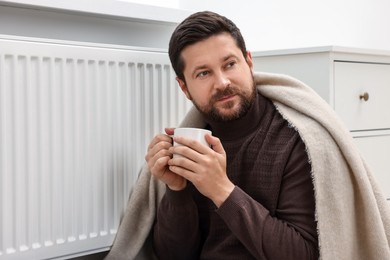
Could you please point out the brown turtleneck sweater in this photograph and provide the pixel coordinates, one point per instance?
(269, 214)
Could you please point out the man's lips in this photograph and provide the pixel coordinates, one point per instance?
(227, 97)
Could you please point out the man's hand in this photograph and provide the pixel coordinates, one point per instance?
(205, 167)
(157, 157)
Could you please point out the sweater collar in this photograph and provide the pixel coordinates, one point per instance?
(240, 127)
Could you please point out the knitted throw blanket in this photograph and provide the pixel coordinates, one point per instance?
(353, 217)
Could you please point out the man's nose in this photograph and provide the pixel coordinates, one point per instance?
(222, 81)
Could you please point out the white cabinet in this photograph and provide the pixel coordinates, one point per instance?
(362, 94)
(356, 83)
(376, 150)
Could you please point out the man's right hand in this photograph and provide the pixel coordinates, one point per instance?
(157, 158)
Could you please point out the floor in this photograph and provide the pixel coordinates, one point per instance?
(97, 256)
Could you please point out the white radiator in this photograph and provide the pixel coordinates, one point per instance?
(75, 122)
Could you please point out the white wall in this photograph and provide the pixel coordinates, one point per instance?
(266, 25)
(288, 24)
(163, 3)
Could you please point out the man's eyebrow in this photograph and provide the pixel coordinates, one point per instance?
(229, 57)
(197, 68)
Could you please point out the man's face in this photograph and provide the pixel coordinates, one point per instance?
(219, 79)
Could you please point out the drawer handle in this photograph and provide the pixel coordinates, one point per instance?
(365, 96)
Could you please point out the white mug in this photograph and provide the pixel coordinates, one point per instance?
(197, 134)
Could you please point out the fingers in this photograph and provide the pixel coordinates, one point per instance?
(159, 142)
(185, 163)
(215, 144)
(157, 165)
(169, 130)
(157, 158)
(160, 138)
(158, 153)
(160, 170)
(194, 156)
(193, 145)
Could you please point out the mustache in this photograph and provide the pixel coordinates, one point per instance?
(222, 93)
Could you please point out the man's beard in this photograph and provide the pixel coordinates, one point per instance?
(210, 111)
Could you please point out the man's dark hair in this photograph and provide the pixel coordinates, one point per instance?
(198, 27)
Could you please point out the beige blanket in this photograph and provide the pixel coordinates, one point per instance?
(352, 213)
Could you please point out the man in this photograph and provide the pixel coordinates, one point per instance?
(255, 200)
(266, 188)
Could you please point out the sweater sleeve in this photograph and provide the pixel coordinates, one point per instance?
(176, 231)
(291, 233)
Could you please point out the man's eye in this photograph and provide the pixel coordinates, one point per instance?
(231, 64)
(202, 74)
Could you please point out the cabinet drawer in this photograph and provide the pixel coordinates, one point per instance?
(352, 80)
(376, 151)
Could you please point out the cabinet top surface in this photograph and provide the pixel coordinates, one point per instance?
(322, 49)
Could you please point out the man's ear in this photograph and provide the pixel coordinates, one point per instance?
(183, 87)
(249, 59)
